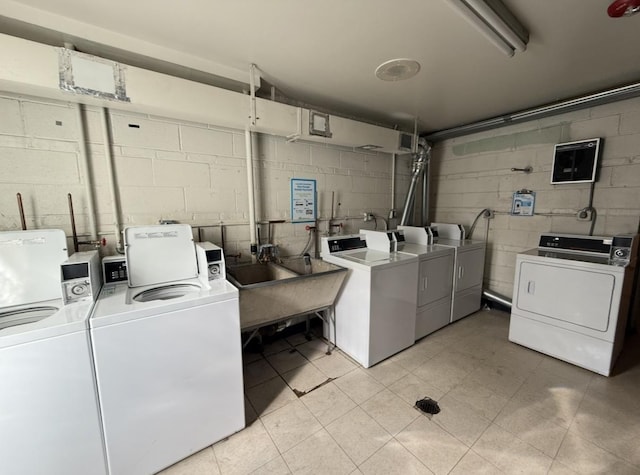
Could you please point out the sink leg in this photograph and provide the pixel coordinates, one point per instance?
(307, 334)
(254, 334)
(328, 316)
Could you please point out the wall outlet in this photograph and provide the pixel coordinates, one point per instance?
(368, 217)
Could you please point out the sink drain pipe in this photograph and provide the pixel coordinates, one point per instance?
(495, 297)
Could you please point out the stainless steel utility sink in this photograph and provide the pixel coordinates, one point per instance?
(273, 292)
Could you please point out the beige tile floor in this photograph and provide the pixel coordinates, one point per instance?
(504, 409)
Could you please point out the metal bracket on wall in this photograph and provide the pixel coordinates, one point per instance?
(527, 169)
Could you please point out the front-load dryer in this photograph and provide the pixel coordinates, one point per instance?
(572, 298)
(49, 418)
(167, 353)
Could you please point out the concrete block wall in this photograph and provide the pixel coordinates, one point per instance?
(474, 172)
(176, 170)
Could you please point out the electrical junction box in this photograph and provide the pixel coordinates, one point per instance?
(575, 162)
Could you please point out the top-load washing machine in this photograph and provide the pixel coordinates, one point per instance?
(375, 312)
(49, 418)
(435, 279)
(167, 351)
(572, 297)
(468, 269)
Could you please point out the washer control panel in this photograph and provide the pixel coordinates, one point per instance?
(80, 277)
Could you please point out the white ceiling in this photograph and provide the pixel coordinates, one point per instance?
(325, 52)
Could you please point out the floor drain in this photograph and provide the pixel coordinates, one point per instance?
(428, 405)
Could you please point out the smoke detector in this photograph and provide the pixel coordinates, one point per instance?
(397, 69)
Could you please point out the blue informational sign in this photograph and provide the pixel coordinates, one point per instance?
(523, 203)
(303, 200)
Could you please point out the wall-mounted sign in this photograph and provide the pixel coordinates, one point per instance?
(303, 200)
(523, 203)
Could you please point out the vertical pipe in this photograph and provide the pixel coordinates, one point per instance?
(252, 210)
(333, 194)
(88, 185)
(73, 223)
(393, 184)
(23, 222)
(106, 138)
(426, 184)
(252, 97)
(420, 160)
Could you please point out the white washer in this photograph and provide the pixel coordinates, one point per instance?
(49, 421)
(467, 276)
(167, 354)
(375, 312)
(571, 298)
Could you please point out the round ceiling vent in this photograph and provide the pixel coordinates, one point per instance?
(397, 69)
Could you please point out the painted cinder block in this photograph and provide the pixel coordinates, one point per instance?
(158, 201)
(50, 121)
(630, 122)
(325, 157)
(239, 148)
(135, 131)
(206, 200)
(352, 161)
(10, 117)
(209, 141)
(295, 152)
(132, 171)
(365, 184)
(38, 166)
(622, 223)
(178, 173)
(622, 146)
(379, 163)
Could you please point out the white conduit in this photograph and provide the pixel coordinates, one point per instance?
(252, 207)
(88, 185)
(106, 139)
(393, 181)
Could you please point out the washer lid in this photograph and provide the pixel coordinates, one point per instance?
(30, 266)
(166, 292)
(159, 254)
(22, 316)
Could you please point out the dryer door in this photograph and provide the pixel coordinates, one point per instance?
(435, 280)
(575, 296)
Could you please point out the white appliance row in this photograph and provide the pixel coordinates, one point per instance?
(49, 417)
(572, 298)
(398, 292)
(145, 377)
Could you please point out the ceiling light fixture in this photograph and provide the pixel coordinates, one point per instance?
(495, 22)
(397, 69)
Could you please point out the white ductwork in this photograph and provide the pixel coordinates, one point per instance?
(33, 68)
